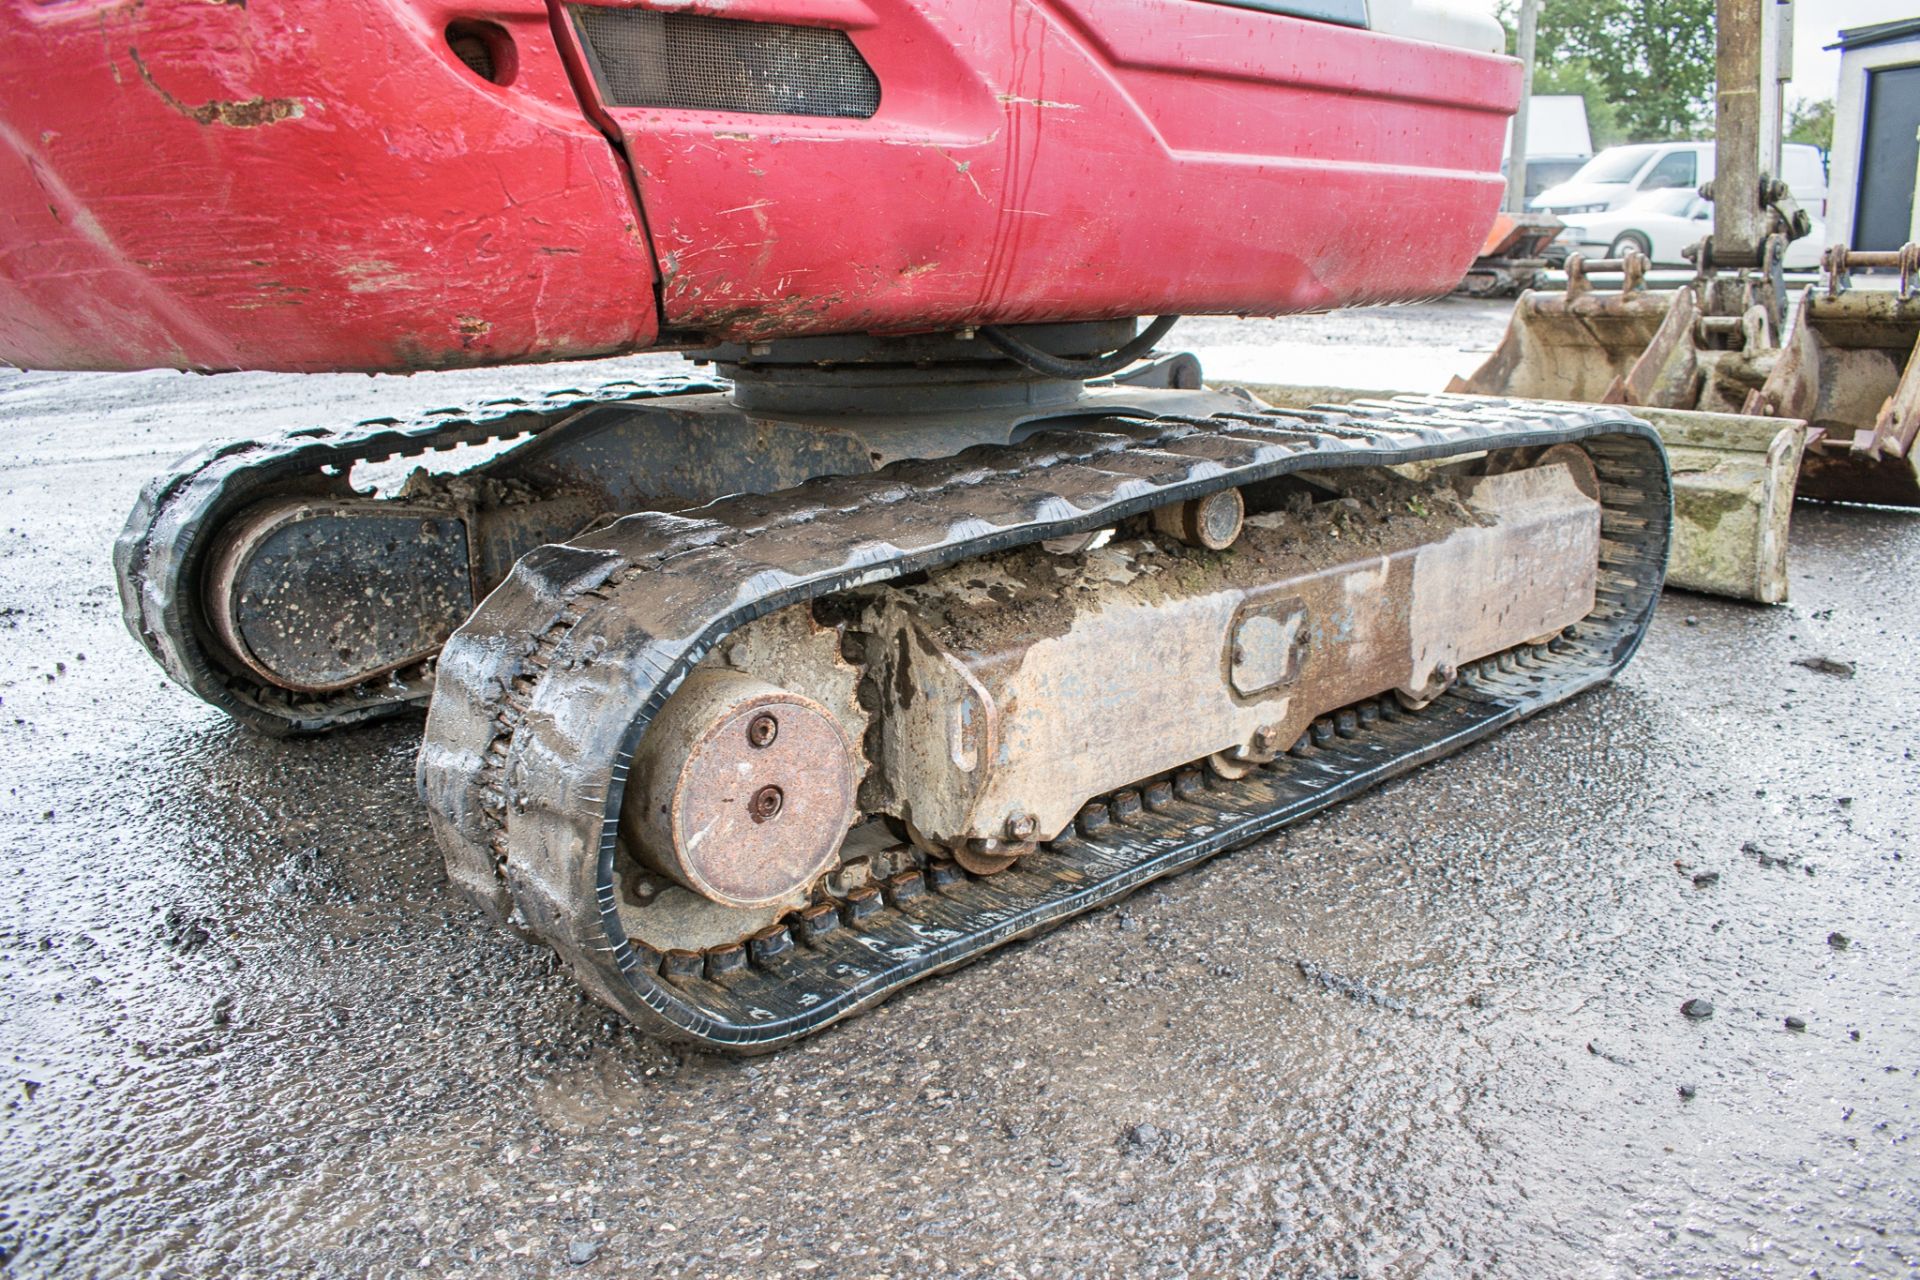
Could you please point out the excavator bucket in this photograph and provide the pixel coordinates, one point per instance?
(1705, 346)
(1733, 486)
(1846, 368)
(1851, 369)
(1576, 345)
(1696, 363)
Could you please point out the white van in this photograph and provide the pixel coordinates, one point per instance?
(1619, 174)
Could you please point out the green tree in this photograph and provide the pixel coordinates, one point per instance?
(1576, 76)
(1811, 120)
(1652, 60)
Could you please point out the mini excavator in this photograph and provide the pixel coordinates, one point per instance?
(933, 605)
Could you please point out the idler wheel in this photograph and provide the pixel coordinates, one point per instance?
(740, 791)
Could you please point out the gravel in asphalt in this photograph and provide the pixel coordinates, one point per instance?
(246, 1030)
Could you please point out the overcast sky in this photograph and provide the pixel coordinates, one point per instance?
(1816, 73)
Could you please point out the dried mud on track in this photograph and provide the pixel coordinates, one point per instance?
(246, 1030)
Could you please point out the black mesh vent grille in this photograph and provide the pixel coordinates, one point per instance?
(697, 63)
(473, 51)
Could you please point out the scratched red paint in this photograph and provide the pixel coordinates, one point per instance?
(303, 186)
(283, 185)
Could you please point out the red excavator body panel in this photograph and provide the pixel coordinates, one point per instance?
(308, 186)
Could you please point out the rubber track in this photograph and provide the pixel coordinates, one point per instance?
(543, 694)
(158, 555)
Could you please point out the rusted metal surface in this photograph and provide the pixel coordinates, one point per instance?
(1014, 690)
(1210, 523)
(1741, 218)
(1576, 345)
(991, 855)
(782, 686)
(1704, 346)
(1851, 368)
(1632, 270)
(1700, 360)
(699, 888)
(1840, 261)
(742, 792)
(1266, 647)
(320, 596)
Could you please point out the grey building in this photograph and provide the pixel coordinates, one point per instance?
(1876, 137)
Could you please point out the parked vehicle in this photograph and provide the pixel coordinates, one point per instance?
(1618, 175)
(1544, 172)
(1558, 141)
(1661, 224)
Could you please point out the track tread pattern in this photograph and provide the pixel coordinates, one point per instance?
(543, 694)
(158, 554)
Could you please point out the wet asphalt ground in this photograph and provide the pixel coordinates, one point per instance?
(245, 1029)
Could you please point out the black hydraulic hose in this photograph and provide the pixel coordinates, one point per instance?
(1053, 366)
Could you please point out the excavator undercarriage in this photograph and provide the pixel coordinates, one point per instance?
(750, 764)
(944, 609)
(1037, 731)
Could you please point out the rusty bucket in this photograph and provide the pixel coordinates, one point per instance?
(1708, 345)
(1850, 368)
(1576, 345)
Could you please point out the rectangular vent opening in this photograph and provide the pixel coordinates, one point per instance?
(695, 63)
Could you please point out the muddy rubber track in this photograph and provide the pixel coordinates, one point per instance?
(158, 557)
(544, 693)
